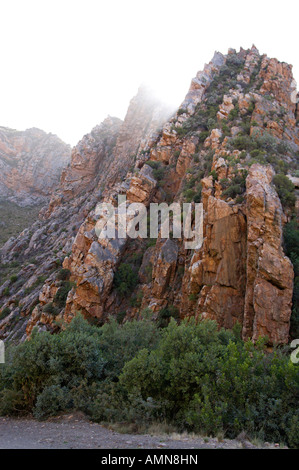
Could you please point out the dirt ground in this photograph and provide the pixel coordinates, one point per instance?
(76, 432)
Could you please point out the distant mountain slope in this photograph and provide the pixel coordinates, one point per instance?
(31, 163)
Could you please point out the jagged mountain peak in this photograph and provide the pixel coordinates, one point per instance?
(229, 145)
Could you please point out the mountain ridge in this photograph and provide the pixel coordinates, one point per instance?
(31, 163)
(236, 130)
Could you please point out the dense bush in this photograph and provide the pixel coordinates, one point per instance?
(192, 376)
(50, 308)
(236, 186)
(285, 190)
(165, 315)
(209, 381)
(125, 279)
(158, 169)
(68, 368)
(13, 278)
(62, 293)
(63, 274)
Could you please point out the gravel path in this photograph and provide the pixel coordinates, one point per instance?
(76, 432)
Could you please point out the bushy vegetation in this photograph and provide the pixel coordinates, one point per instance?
(158, 169)
(62, 293)
(165, 315)
(63, 274)
(50, 308)
(4, 313)
(235, 186)
(125, 279)
(285, 190)
(192, 376)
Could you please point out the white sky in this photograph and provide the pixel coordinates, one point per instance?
(67, 64)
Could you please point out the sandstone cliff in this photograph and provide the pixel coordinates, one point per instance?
(236, 130)
(31, 163)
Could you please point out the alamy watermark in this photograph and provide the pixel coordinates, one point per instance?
(295, 353)
(136, 220)
(294, 93)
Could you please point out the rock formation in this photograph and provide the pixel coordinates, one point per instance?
(31, 163)
(236, 130)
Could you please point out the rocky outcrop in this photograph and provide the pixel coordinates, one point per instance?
(66, 233)
(236, 127)
(217, 270)
(200, 83)
(269, 286)
(31, 163)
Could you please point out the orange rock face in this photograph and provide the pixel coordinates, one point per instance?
(217, 271)
(240, 273)
(269, 285)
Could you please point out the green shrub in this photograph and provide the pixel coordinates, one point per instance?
(232, 191)
(209, 381)
(197, 197)
(181, 131)
(203, 136)
(258, 155)
(4, 313)
(153, 164)
(121, 316)
(192, 376)
(193, 297)
(62, 293)
(67, 360)
(158, 170)
(285, 190)
(63, 274)
(159, 173)
(189, 195)
(165, 314)
(213, 173)
(119, 343)
(236, 186)
(244, 142)
(13, 278)
(125, 279)
(50, 308)
(234, 113)
(52, 401)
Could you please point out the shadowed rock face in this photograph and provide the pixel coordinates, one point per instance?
(31, 163)
(239, 103)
